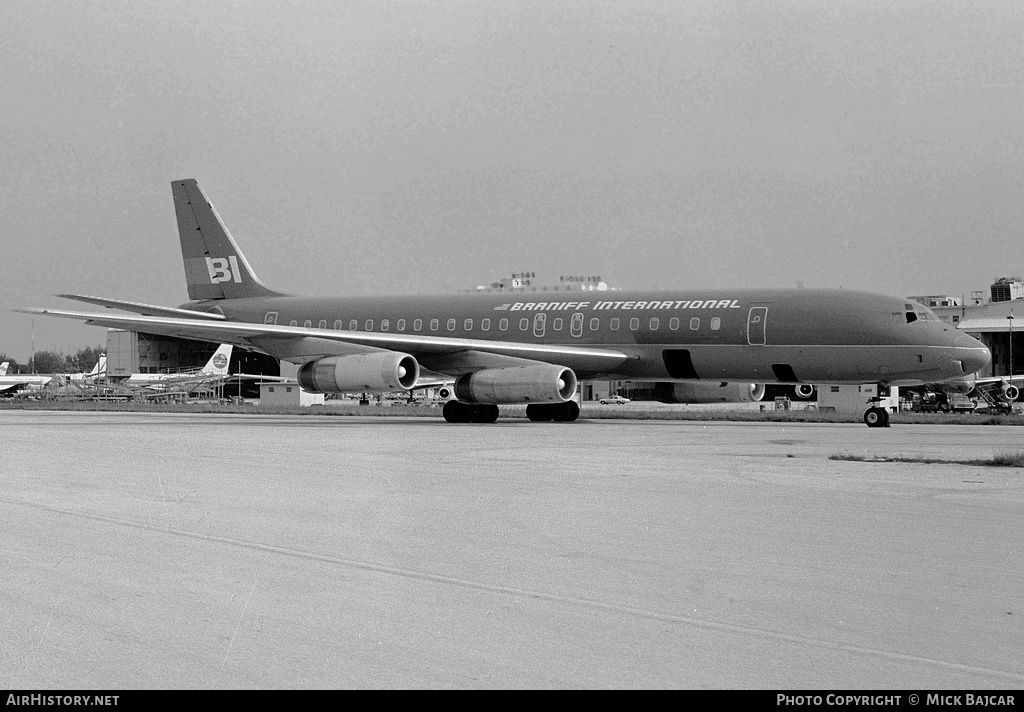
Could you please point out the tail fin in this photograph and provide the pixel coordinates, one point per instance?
(100, 368)
(218, 363)
(3, 368)
(214, 266)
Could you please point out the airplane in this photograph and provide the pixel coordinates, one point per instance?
(11, 384)
(216, 366)
(532, 347)
(99, 370)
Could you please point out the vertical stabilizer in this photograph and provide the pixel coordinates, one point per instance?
(214, 266)
(3, 368)
(218, 363)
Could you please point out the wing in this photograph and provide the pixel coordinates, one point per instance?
(300, 344)
(143, 309)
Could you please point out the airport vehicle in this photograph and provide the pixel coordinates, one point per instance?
(614, 400)
(943, 403)
(532, 347)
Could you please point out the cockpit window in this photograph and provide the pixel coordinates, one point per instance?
(911, 317)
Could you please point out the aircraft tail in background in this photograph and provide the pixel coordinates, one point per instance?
(218, 363)
(214, 266)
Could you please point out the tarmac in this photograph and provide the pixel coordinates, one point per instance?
(181, 551)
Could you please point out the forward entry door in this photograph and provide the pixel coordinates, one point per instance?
(756, 318)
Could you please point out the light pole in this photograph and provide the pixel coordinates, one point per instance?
(1010, 317)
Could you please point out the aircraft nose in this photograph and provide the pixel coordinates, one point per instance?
(972, 354)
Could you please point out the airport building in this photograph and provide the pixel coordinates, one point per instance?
(997, 322)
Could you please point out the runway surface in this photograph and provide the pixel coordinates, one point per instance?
(207, 551)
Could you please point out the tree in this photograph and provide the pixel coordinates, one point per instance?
(13, 365)
(85, 359)
(49, 362)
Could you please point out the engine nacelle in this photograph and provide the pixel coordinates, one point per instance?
(803, 391)
(1008, 392)
(520, 384)
(375, 372)
(709, 392)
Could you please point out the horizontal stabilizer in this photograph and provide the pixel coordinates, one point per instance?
(143, 309)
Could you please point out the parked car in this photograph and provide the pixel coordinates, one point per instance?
(961, 404)
(613, 400)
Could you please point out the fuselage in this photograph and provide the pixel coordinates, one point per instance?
(802, 335)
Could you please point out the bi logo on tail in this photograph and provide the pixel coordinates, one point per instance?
(224, 269)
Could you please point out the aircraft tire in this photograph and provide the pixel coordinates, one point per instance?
(538, 412)
(455, 412)
(483, 413)
(875, 418)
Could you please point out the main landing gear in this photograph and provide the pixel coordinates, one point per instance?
(456, 412)
(558, 412)
(876, 416)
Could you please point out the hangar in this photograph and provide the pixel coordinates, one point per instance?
(131, 352)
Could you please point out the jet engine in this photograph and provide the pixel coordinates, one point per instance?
(1008, 392)
(708, 392)
(803, 391)
(542, 383)
(375, 372)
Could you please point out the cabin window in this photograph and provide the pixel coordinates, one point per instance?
(353, 325)
(385, 324)
(673, 323)
(400, 325)
(634, 324)
(293, 323)
(434, 323)
(595, 324)
(485, 324)
(503, 325)
(323, 323)
(417, 325)
(614, 324)
(524, 324)
(695, 323)
(339, 325)
(308, 323)
(556, 324)
(716, 323)
(368, 326)
(576, 325)
(539, 324)
(451, 325)
(654, 323)
(467, 325)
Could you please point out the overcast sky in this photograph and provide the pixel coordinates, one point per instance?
(371, 146)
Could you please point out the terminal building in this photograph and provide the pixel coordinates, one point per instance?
(992, 321)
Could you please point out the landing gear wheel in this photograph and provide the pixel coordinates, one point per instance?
(559, 412)
(538, 412)
(565, 412)
(876, 418)
(455, 412)
(483, 413)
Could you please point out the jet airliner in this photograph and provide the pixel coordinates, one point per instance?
(532, 347)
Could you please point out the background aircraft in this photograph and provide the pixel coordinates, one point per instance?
(531, 347)
(215, 368)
